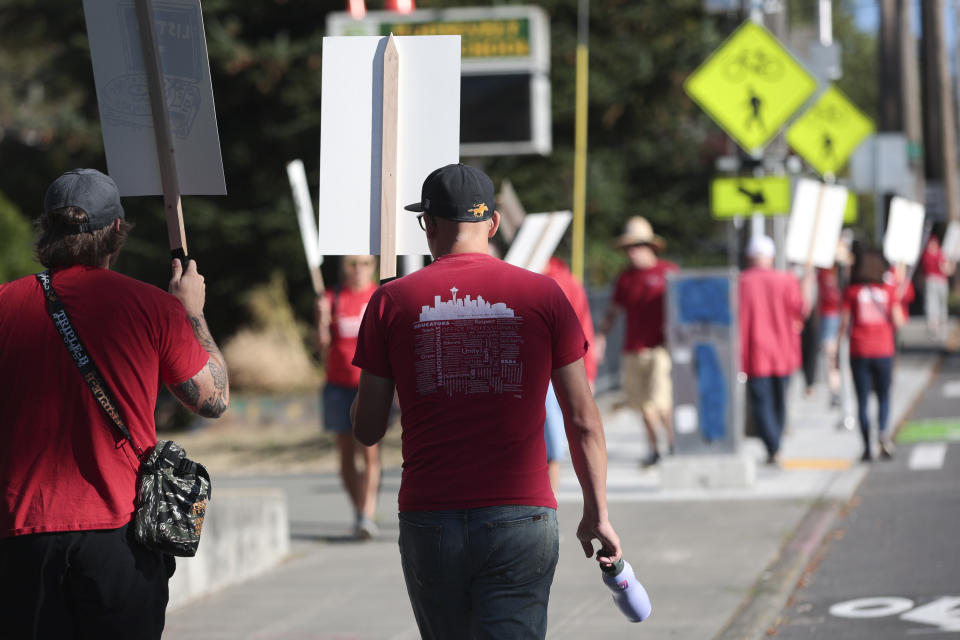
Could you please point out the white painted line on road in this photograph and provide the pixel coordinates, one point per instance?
(927, 456)
(951, 389)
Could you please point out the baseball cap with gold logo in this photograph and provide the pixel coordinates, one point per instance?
(457, 192)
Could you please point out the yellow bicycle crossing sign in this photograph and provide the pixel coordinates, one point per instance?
(829, 131)
(750, 86)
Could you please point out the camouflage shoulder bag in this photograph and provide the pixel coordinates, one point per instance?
(172, 490)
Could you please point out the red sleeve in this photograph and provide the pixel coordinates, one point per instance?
(181, 355)
(372, 354)
(569, 343)
(619, 295)
(849, 298)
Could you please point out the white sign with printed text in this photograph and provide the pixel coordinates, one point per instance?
(124, 100)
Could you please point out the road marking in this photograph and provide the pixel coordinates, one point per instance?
(927, 456)
(871, 607)
(795, 464)
(951, 389)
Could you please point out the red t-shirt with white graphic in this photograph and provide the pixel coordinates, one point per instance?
(62, 466)
(347, 307)
(471, 342)
(640, 292)
(871, 323)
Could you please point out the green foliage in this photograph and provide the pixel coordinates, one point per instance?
(16, 248)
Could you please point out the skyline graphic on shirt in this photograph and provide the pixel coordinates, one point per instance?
(460, 308)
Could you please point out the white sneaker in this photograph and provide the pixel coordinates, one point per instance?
(366, 528)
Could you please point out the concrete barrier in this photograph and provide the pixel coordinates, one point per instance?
(246, 532)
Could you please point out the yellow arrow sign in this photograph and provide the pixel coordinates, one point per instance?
(750, 86)
(829, 131)
(852, 213)
(731, 197)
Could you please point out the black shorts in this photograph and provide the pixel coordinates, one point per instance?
(82, 584)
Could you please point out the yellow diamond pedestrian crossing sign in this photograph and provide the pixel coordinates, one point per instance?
(750, 86)
(829, 131)
(730, 197)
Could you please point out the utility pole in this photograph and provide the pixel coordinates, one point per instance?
(910, 90)
(939, 126)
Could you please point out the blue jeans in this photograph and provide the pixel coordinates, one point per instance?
(480, 573)
(768, 408)
(872, 374)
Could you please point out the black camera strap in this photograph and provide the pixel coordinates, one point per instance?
(88, 370)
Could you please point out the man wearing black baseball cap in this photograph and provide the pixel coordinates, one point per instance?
(69, 564)
(470, 344)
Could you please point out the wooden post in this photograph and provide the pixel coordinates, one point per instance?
(388, 161)
(161, 128)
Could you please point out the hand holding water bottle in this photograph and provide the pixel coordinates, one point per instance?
(628, 594)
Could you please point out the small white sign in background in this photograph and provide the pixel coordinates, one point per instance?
(350, 136)
(538, 239)
(951, 242)
(124, 101)
(901, 242)
(812, 235)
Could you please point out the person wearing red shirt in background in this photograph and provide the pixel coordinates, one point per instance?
(772, 309)
(645, 369)
(936, 270)
(69, 565)
(339, 313)
(872, 311)
(470, 344)
(553, 431)
(829, 297)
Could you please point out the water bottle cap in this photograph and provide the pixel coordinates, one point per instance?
(612, 569)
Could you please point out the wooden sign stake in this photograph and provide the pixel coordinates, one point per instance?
(388, 162)
(161, 128)
(816, 225)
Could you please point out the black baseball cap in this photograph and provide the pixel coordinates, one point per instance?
(457, 192)
(86, 189)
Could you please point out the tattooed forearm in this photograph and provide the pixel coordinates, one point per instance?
(208, 392)
(187, 392)
(202, 332)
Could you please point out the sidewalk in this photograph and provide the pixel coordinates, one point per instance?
(707, 557)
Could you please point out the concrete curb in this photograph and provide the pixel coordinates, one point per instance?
(245, 533)
(773, 588)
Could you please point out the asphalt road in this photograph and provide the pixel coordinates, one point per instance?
(891, 567)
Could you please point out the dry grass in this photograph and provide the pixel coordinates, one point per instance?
(271, 355)
(236, 446)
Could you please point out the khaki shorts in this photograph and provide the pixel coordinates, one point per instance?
(645, 376)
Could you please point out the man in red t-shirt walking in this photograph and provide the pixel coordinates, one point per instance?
(645, 367)
(470, 344)
(69, 565)
(772, 309)
(936, 271)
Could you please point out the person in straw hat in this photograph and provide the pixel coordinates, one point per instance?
(645, 368)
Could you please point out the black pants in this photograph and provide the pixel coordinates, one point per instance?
(82, 584)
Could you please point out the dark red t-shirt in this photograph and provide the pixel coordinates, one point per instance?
(471, 342)
(828, 291)
(931, 263)
(61, 468)
(347, 307)
(640, 292)
(871, 321)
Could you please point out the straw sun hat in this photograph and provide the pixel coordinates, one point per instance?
(638, 231)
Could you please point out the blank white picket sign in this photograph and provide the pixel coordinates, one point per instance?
(350, 120)
(537, 239)
(805, 228)
(951, 242)
(901, 242)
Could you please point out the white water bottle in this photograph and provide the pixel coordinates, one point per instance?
(628, 593)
